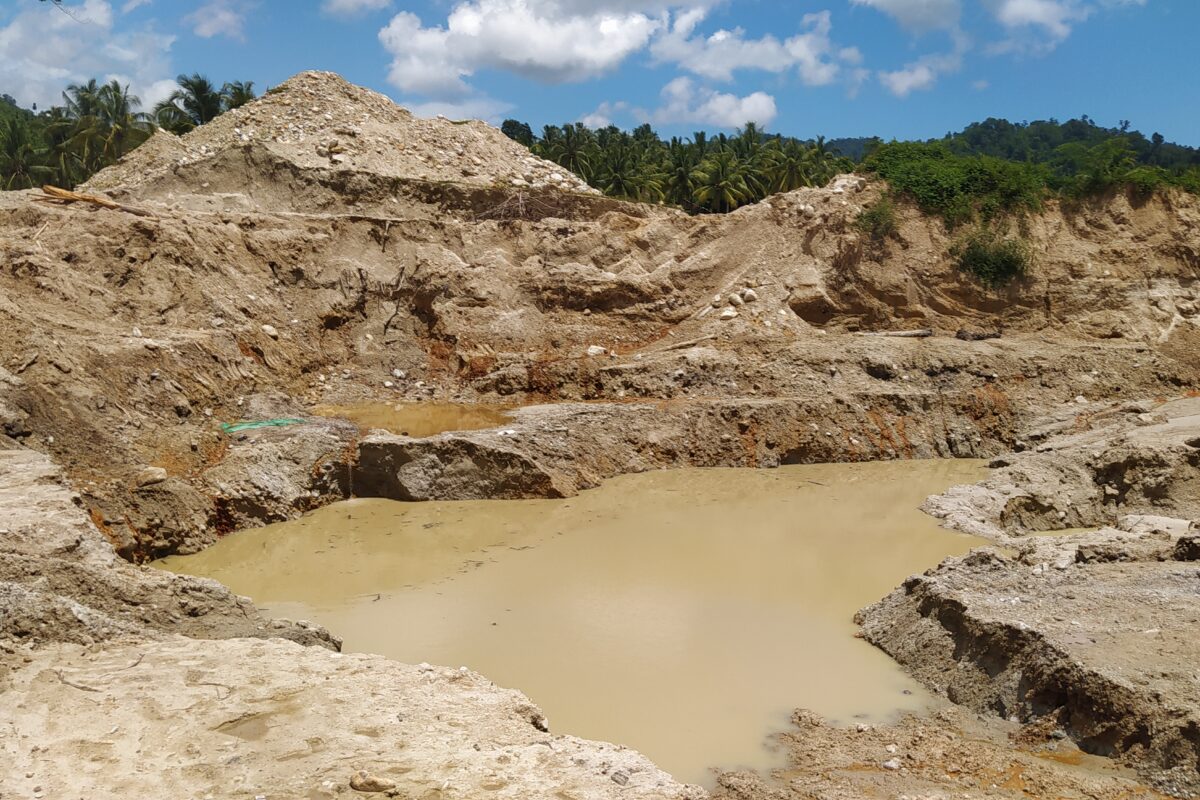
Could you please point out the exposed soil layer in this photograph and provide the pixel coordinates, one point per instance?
(61, 581)
(298, 256)
(1095, 631)
(949, 754)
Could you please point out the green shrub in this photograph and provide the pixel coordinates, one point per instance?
(1147, 180)
(958, 188)
(878, 220)
(991, 258)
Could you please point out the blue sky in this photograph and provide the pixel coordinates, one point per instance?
(895, 68)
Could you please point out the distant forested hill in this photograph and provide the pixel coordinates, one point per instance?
(1039, 141)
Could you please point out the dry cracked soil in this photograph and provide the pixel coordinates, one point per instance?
(323, 247)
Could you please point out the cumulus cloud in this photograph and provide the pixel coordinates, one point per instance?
(602, 117)
(350, 8)
(1054, 17)
(1038, 26)
(42, 51)
(718, 55)
(219, 18)
(484, 108)
(131, 5)
(685, 102)
(575, 41)
(918, 15)
(923, 73)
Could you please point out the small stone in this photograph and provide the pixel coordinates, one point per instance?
(749, 295)
(388, 384)
(269, 330)
(1081, 400)
(398, 373)
(150, 476)
(892, 764)
(620, 777)
(736, 299)
(362, 781)
(596, 350)
(137, 333)
(729, 313)
(891, 748)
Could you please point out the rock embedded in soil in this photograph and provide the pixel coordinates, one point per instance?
(362, 781)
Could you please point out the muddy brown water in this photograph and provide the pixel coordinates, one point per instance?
(418, 419)
(684, 613)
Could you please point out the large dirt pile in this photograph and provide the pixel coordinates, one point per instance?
(318, 121)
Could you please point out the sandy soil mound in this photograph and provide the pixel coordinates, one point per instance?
(317, 120)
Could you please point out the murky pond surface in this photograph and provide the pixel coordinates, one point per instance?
(418, 419)
(684, 613)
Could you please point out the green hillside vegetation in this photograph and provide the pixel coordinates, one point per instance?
(989, 169)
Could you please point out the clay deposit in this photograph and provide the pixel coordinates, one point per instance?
(323, 247)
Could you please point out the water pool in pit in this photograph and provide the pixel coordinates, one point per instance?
(683, 613)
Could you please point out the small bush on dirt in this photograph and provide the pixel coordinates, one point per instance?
(957, 188)
(992, 258)
(878, 221)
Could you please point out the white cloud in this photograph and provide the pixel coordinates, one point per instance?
(684, 102)
(602, 117)
(718, 55)
(548, 40)
(131, 5)
(484, 108)
(1038, 26)
(918, 15)
(219, 18)
(923, 73)
(349, 8)
(1054, 17)
(981, 85)
(43, 50)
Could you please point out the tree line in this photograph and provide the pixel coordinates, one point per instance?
(702, 174)
(96, 124)
(988, 167)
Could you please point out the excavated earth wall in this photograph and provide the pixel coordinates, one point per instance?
(323, 246)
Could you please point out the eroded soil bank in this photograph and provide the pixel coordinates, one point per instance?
(272, 280)
(729, 593)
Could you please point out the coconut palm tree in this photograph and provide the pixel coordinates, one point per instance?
(572, 150)
(721, 183)
(789, 166)
(195, 102)
(125, 127)
(679, 183)
(237, 94)
(20, 162)
(82, 100)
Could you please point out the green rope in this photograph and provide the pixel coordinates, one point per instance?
(237, 427)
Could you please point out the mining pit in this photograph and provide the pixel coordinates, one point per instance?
(655, 386)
